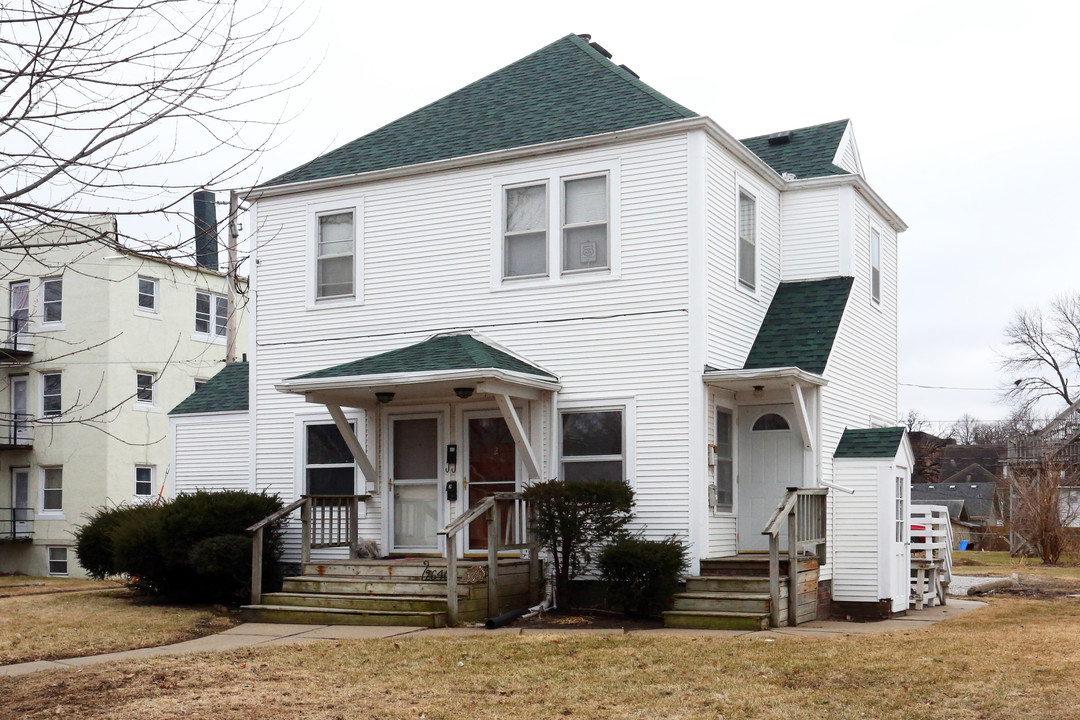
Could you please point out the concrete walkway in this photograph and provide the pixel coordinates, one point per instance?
(256, 634)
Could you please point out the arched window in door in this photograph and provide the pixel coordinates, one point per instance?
(770, 421)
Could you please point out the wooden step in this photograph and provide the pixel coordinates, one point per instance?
(374, 586)
(411, 603)
(339, 616)
(723, 602)
(405, 569)
(756, 565)
(733, 583)
(716, 620)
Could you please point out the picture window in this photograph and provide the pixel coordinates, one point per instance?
(593, 445)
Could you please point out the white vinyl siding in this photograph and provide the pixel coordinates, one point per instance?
(210, 452)
(811, 234)
(441, 226)
(854, 525)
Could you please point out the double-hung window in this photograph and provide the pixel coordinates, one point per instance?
(335, 255)
(58, 560)
(144, 480)
(51, 394)
(585, 224)
(211, 314)
(593, 445)
(19, 306)
(148, 294)
(525, 237)
(329, 467)
(52, 300)
(875, 265)
(725, 486)
(747, 240)
(144, 388)
(52, 489)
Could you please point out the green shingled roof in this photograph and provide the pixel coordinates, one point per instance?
(225, 392)
(808, 154)
(800, 325)
(565, 90)
(870, 443)
(442, 352)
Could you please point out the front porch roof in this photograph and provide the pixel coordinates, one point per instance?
(432, 368)
(778, 378)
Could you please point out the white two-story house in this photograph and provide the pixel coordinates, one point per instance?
(558, 272)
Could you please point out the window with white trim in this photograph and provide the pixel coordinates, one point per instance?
(58, 560)
(593, 445)
(335, 255)
(585, 224)
(145, 384)
(901, 510)
(875, 265)
(52, 489)
(51, 394)
(52, 300)
(525, 237)
(148, 294)
(725, 475)
(747, 240)
(329, 467)
(199, 382)
(144, 480)
(211, 314)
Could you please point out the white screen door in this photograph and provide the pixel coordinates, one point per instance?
(20, 426)
(20, 500)
(770, 461)
(415, 480)
(19, 323)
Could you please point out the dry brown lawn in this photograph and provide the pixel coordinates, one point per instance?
(11, 585)
(51, 627)
(1017, 659)
(1000, 564)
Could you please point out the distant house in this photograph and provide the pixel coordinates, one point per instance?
(977, 509)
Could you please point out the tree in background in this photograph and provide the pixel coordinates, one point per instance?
(1042, 353)
(1043, 501)
(128, 107)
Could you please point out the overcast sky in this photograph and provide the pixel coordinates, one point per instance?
(965, 115)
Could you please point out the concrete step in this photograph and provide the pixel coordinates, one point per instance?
(716, 620)
(339, 616)
(733, 583)
(723, 602)
(374, 586)
(412, 603)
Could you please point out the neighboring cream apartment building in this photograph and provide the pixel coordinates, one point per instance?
(99, 343)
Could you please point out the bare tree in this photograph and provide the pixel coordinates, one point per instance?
(1043, 501)
(125, 107)
(1042, 353)
(965, 430)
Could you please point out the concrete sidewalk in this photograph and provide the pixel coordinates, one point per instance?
(256, 634)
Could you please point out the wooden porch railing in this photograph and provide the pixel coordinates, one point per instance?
(803, 511)
(326, 521)
(516, 536)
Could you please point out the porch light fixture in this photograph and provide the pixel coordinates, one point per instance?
(384, 397)
(759, 390)
(464, 392)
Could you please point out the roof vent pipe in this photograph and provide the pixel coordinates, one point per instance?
(780, 138)
(206, 239)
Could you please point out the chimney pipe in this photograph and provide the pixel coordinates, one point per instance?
(206, 233)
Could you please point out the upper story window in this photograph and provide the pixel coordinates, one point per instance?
(335, 253)
(52, 489)
(875, 265)
(148, 294)
(557, 223)
(747, 240)
(211, 314)
(144, 388)
(525, 237)
(51, 394)
(585, 224)
(19, 307)
(592, 445)
(52, 297)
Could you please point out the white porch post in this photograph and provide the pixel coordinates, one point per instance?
(357, 450)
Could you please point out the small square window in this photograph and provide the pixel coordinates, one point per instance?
(148, 294)
(144, 388)
(58, 560)
(51, 394)
(52, 297)
(211, 314)
(52, 489)
(335, 255)
(144, 480)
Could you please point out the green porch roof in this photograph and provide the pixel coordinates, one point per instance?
(870, 443)
(809, 153)
(442, 352)
(800, 325)
(225, 392)
(567, 89)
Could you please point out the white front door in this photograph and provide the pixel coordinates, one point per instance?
(20, 425)
(415, 480)
(770, 461)
(900, 531)
(20, 500)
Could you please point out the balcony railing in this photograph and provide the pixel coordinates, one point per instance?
(16, 524)
(16, 431)
(16, 342)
